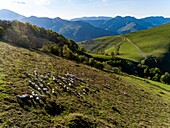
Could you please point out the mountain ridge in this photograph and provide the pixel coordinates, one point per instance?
(69, 29)
(4, 15)
(87, 28)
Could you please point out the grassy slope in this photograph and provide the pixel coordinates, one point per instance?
(125, 102)
(153, 41)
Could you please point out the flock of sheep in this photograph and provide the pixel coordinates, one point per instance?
(47, 85)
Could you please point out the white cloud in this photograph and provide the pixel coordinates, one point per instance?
(18, 2)
(105, 1)
(42, 2)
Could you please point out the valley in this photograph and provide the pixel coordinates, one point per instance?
(89, 72)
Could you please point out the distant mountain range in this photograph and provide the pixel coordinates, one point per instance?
(92, 18)
(124, 25)
(10, 15)
(75, 30)
(87, 28)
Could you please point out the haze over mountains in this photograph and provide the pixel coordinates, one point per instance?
(87, 28)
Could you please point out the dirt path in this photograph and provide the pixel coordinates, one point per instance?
(138, 48)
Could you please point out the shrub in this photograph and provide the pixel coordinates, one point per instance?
(83, 59)
(165, 78)
(99, 65)
(1, 31)
(55, 49)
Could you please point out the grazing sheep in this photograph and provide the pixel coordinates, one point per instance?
(48, 74)
(48, 84)
(27, 74)
(79, 94)
(126, 94)
(45, 89)
(41, 76)
(42, 97)
(33, 93)
(45, 77)
(35, 80)
(69, 75)
(72, 81)
(53, 91)
(85, 92)
(56, 81)
(35, 73)
(60, 84)
(37, 98)
(36, 86)
(41, 85)
(39, 89)
(25, 96)
(31, 96)
(30, 82)
(47, 92)
(53, 77)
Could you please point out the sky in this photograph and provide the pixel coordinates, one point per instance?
(68, 9)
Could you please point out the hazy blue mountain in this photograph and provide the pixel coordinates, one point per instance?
(92, 18)
(156, 20)
(80, 31)
(87, 28)
(121, 25)
(75, 30)
(9, 15)
(45, 22)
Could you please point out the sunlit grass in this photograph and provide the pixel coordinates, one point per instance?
(112, 101)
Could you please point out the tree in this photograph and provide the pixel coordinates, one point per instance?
(83, 59)
(99, 65)
(156, 77)
(117, 49)
(113, 55)
(55, 49)
(156, 70)
(91, 61)
(146, 71)
(1, 31)
(165, 78)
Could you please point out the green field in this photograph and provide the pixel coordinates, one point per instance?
(134, 46)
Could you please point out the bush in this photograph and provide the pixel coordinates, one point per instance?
(99, 65)
(165, 78)
(116, 70)
(55, 49)
(83, 59)
(1, 32)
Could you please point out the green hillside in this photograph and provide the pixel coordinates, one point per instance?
(39, 87)
(95, 99)
(134, 46)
